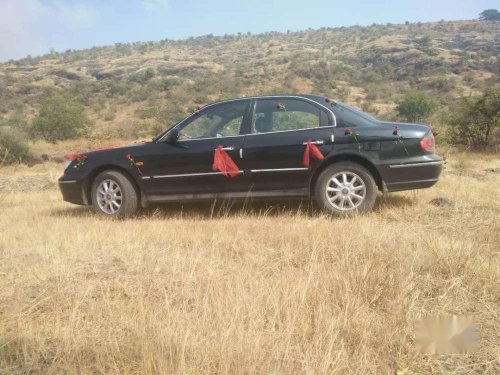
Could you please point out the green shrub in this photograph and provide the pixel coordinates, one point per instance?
(59, 119)
(167, 83)
(13, 147)
(443, 84)
(476, 121)
(143, 76)
(416, 106)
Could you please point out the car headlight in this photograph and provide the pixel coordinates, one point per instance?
(80, 158)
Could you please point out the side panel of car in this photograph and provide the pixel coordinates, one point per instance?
(274, 161)
(273, 149)
(186, 167)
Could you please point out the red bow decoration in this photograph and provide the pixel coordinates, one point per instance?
(311, 149)
(224, 163)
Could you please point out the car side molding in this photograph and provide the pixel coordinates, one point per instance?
(233, 195)
(411, 165)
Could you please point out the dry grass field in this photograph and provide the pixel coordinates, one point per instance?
(256, 288)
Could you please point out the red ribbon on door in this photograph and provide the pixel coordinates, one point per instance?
(311, 149)
(224, 163)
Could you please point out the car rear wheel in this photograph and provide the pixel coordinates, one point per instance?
(345, 188)
(113, 194)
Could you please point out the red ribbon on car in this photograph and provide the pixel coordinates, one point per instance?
(311, 149)
(224, 163)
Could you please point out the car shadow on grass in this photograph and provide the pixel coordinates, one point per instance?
(393, 201)
(203, 210)
(222, 209)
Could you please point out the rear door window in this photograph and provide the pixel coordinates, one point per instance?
(276, 115)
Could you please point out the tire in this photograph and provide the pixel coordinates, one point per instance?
(342, 199)
(122, 199)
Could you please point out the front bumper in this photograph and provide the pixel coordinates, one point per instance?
(72, 191)
(417, 174)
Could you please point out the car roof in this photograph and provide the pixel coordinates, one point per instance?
(317, 98)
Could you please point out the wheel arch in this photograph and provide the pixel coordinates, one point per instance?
(354, 158)
(108, 167)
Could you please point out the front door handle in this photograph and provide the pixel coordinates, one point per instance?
(315, 143)
(230, 148)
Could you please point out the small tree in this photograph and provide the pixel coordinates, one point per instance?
(476, 120)
(416, 106)
(59, 119)
(490, 15)
(13, 147)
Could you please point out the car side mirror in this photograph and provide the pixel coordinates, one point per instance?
(172, 136)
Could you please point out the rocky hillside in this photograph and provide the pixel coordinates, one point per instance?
(133, 89)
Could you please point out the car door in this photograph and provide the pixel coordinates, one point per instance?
(185, 166)
(273, 150)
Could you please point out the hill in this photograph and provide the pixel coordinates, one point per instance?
(133, 90)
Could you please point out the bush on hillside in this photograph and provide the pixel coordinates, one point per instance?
(476, 121)
(13, 147)
(59, 119)
(416, 106)
(143, 75)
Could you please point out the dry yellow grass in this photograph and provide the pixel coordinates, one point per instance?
(257, 289)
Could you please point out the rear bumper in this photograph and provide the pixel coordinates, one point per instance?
(412, 175)
(72, 191)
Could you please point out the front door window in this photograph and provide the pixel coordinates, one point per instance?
(222, 120)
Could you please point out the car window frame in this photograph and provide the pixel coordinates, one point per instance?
(192, 117)
(245, 129)
(325, 118)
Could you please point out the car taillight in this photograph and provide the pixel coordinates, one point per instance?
(427, 143)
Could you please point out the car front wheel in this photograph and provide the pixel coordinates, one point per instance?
(345, 188)
(113, 194)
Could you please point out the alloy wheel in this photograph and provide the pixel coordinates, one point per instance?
(109, 196)
(345, 191)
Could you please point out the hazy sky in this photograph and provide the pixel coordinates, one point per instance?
(35, 26)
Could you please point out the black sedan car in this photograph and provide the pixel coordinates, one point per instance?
(291, 146)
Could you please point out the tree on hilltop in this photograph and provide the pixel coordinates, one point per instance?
(490, 15)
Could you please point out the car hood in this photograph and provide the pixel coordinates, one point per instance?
(114, 149)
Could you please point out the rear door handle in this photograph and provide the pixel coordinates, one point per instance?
(315, 143)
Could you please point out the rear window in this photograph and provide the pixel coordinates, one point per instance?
(348, 116)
